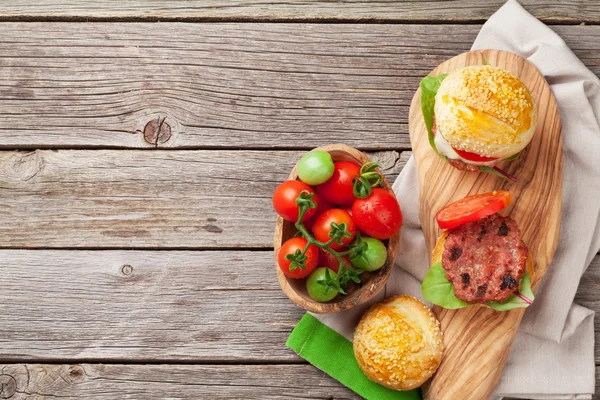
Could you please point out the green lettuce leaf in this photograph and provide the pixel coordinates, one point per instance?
(513, 157)
(429, 87)
(490, 170)
(497, 172)
(515, 301)
(438, 290)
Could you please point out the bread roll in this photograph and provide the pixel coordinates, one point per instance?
(398, 343)
(486, 111)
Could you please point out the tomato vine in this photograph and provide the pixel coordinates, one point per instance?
(346, 273)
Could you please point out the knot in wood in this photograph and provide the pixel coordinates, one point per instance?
(25, 166)
(157, 131)
(127, 270)
(8, 386)
(76, 372)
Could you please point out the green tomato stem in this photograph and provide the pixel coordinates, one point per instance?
(343, 268)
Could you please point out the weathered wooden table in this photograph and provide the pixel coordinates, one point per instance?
(141, 142)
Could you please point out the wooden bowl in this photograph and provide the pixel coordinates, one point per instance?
(371, 282)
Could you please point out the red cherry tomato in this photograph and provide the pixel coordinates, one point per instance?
(472, 156)
(290, 247)
(322, 227)
(326, 259)
(284, 200)
(378, 215)
(472, 208)
(322, 205)
(339, 189)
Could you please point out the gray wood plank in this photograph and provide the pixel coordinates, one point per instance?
(142, 199)
(153, 306)
(125, 305)
(219, 85)
(570, 11)
(109, 382)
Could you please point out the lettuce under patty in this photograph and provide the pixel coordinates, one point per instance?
(438, 290)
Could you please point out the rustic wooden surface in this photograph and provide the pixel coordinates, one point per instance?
(563, 11)
(73, 85)
(130, 149)
(472, 366)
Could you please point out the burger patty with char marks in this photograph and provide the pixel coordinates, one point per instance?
(485, 259)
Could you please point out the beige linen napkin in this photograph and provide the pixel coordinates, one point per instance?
(553, 354)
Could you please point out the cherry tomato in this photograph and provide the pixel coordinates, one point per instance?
(315, 167)
(290, 247)
(373, 257)
(472, 156)
(378, 215)
(472, 208)
(323, 223)
(284, 200)
(317, 291)
(322, 206)
(339, 189)
(326, 259)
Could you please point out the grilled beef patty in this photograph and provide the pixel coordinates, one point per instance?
(485, 259)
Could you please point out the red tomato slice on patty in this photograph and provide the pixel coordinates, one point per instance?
(472, 208)
(472, 156)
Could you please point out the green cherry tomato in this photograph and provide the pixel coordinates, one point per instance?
(316, 291)
(315, 167)
(373, 257)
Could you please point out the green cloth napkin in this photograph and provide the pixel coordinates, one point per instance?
(332, 353)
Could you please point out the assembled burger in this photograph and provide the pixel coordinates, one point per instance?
(477, 116)
(480, 258)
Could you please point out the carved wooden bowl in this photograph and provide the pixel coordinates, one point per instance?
(371, 282)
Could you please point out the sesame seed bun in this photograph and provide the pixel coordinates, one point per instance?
(398, 343)
(485, 110)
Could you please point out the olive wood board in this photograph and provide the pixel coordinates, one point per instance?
(477, 338)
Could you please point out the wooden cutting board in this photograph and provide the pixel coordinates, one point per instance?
(478, 339)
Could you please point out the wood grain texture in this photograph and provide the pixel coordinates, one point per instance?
(371, 282)
(124, 305)
(224, 85)
(153, 306)
(477, 338)
(132, 199)
(109, 382)
(571, 11)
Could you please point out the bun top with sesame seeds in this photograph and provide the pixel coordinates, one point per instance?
(485, 110)
(398, 343)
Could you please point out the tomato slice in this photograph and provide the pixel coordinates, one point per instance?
(472, 156)
(472, 208)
